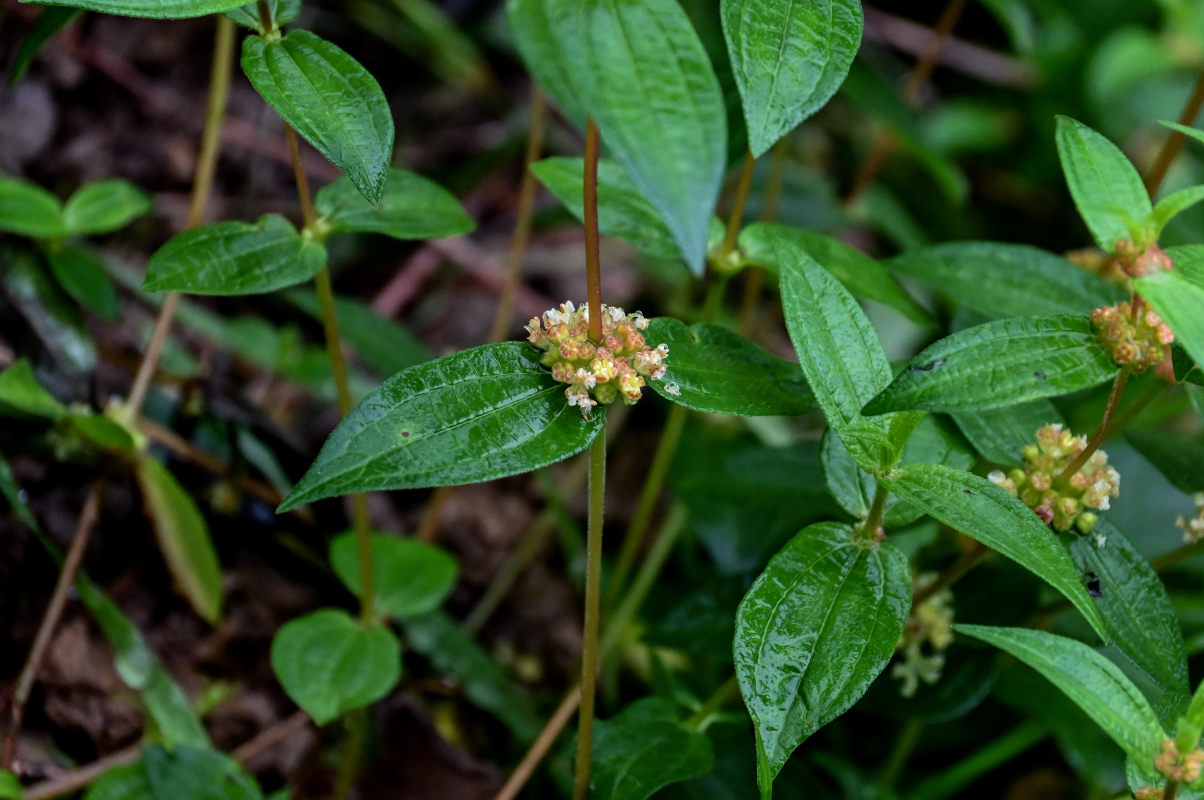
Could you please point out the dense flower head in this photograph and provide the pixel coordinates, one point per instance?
(1139, 343)
(1062, 504)
(1193, 529)
(1182, 768)
(1137, 261)
(601, 372)
(931, 623)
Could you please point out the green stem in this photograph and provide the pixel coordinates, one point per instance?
(699, 720)
(593, 578)
(755, 276)
(957, 776)
(737, 216)
(905, 745)
(873, 520)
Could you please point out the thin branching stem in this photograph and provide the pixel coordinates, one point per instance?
(1101, 432)
(734, 220)
(755, 279)
(699, 720)
(593, 580)
(593, 255)
(953, 574)
(1174, 142)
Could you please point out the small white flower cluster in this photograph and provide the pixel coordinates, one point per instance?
(1193, 529)
(602, 372)
(930, 622)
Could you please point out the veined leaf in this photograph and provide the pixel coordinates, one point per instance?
(19, 388)
(1093, 682)
(987, 513)
(84, 278)
(623, 212)
(103, 207)
(788, 59)
(229, 258)
(718, 371)
(411, 577)
(641, 71)
(472, 416)
(1174, 204)
(1007, 280)
(411, 207)
(643, 748)
(817, 626)
(1178, 297)
(531, 23)
(999, 434)
(1134, 605)
(154, 9)
(328, 98)
(29, 210)
(183, 537)
(1104, 184)
(1000, 363)
(329, 663)
(861, 275)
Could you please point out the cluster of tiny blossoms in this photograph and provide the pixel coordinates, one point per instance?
(1065, 505)
(597, 373)
(1136, 260)
(1181, 768)
(1137, 343)
(1193, 529)
(930, 622)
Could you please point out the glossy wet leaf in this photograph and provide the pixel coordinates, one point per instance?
(183, 537)
(84, 278)
(484, 683)
(411, 207)
(987, 513)
(410, 577)
(644, 76)
(328, 98)
(817, 626)
(229, 258)
(1000, 363)
(1179, 459)
(1006, 280)
(56, 321)
(999, 434)
(21, 390)
(1103, 182)
(1134, 605)
(1178, 296)
(1093, 682)
(154, 9)
(788, 59)
(643, 748)
(283, 12)
(472, 416)
(861, 275)
(51, 21)
(623, 212)
(29, 210)
(716, 370)
(329, 663)
(189, 773)
(103, 207)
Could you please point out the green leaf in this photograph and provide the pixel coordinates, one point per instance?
(721, 372)
(330, 100)
(283, 12)
(103, 433)
(1000, 434)
(1007, 280)
(861, 275)
(154, 9)
(183, 537)
(383, 344)
(84, 278)
(454, 653)
(1104, 184)
(10, 787)
(531, 23)
(189, 773)
(19, 388)
(229, 258)
(1174, 204)
(1194, 133)
(1000, 363)
(641, 71)
(1178, 296)
(985, 512)
(29, 210)
(643, 748)
(472, 416)
(52, 20)
(622, 211)
(1093, 682)
(1134, 605)
(329, 663)
(1179, 459)
(411, 577)
(838, 349)
(411, 207)
(817, 626)
(127, 782)
(57, 322)
(103, 207)
(788, 59)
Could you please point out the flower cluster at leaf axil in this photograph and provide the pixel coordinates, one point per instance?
(1193, 529)
(1138, 343)
(931, 623)
(1177, 767)
(1139, 260)
(612, 369)
(1061, 503)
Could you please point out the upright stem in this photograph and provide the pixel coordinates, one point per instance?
(769, 212)
(954, 573)
(593, 257)
(873, 520)
(737, 215)
(1101, 432)
(718, 699)
(1171, 790)
(202, 184)
(905, 744)
(593, 579)
(1174, 143)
